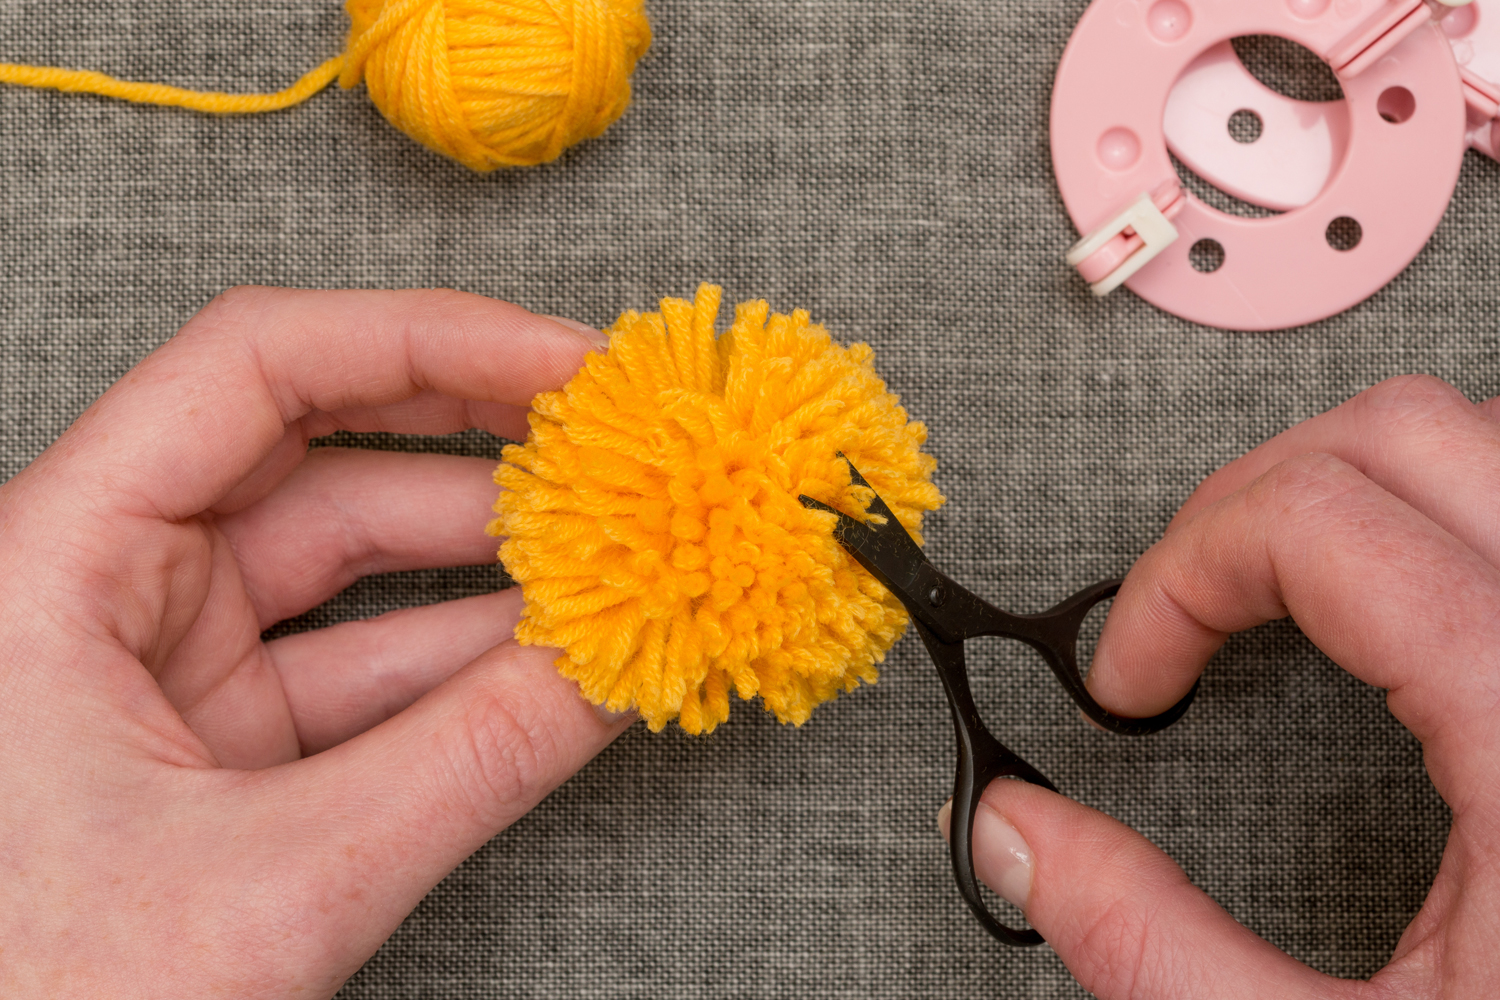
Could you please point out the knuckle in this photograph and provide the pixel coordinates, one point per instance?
(1314, 468)
(231, 309)
(1132, 947)
(1410, 403)
(1114, 951)
(1314, 479)
(1412, 390)
(500, 760)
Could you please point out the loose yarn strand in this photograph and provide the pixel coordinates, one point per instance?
(79, 81)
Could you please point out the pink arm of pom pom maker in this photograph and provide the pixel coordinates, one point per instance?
(945, 615)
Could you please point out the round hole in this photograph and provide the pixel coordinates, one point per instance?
(1288, 68)
(1343, 233)
(1244, 125)
(1396, 105)
(1206, 256)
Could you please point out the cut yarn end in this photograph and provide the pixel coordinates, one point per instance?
(652, 517)
(488, 83)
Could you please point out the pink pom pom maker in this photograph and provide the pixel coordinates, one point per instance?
(1360, 183)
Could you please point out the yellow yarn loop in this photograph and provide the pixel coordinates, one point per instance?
(488, 83)
(652, 520)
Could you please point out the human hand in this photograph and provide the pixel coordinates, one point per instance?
(185, 810)
(1375, 527)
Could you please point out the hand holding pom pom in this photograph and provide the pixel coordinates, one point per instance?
(653, 524)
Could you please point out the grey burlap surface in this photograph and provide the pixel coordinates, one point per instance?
(886, 167)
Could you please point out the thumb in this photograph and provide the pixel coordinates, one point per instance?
(383, 817)
(1121, 914)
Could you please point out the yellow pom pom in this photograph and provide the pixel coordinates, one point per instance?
(496, 82)
(489, 83)
(653, 524)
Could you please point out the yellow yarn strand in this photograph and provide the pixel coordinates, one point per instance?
(86, 82)
(652, 520)
(488, 83)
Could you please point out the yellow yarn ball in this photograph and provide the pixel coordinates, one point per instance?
(652, 520)
(490, 83)
(495, 83)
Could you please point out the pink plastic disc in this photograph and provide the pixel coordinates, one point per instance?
(1386, 187)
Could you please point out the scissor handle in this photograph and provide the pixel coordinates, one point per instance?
(955, 613)
(981, 759)
(1054, 634)
(989, 760)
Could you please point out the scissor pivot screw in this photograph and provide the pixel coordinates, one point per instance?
(937, 595)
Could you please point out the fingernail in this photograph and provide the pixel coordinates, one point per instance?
(1002, 859)
(612, 718)
(593, 336)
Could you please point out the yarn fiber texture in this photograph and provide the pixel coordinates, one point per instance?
(652, 516)
(495, 83)
(488, 83)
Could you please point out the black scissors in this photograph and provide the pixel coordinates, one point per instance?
(944, 615)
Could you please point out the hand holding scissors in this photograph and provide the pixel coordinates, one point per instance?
(945, 615)
(1374, 527)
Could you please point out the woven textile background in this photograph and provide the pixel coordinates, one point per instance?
(884, 165)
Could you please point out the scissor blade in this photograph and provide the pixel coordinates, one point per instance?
(886, 550)
(877, 503)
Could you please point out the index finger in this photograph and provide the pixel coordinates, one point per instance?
(1415, 436)
(201, 412)
(1386, 593)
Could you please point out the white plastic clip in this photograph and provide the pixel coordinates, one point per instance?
(1147, 222)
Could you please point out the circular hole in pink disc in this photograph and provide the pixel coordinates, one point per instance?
(1245, 126)
(1396, 105)
(1206, 256)
(1119, 149)
(1169, 20)
(1344, 234)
